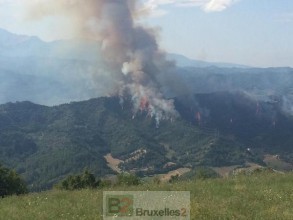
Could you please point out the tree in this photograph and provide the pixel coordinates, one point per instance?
(82, 181)
(11, 183)
(128, 179)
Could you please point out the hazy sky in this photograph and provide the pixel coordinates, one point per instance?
(251, 32)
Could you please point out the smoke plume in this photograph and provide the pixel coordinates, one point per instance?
(130, 51)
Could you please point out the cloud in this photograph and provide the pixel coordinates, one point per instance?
(155, 6)
(218, 5)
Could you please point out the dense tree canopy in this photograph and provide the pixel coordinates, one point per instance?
(11, 183)
(80, 181)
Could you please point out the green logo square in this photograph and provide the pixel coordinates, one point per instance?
(119, 205)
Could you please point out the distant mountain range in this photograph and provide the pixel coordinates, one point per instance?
(183, 61)
(13, 45)
(53, 73)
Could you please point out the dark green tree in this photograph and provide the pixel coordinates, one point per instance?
(128, 179)
(11, 183)
(80, 181)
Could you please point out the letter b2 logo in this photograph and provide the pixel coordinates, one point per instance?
(119, 205)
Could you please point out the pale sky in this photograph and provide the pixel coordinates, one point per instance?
(250, 32)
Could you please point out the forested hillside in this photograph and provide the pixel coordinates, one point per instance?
(45, 144)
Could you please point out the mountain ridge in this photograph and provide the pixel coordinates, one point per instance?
(183, 61)
(9, 39)
(45, 144)
(72, 70)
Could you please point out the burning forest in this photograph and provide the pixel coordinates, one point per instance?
(130, 51)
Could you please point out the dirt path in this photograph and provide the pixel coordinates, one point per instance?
(113, 163)
(179, 172)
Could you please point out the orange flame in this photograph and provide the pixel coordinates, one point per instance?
(144, 103)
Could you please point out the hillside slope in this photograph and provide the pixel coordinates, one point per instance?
(262, 197)
(47, 143)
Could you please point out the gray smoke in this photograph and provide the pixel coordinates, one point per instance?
(129, 50)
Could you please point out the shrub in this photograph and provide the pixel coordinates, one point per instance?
(75, 182)
(156, 180)
(174, 178)
(128, 179)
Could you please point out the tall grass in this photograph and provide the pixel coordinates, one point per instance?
(267, 196)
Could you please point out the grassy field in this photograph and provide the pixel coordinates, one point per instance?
(260, 196)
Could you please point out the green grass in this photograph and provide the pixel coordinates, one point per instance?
(261, 196)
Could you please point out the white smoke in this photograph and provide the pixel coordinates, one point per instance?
(130, 51)
(287, 104)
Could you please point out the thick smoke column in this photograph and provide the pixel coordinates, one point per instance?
(130, 51)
